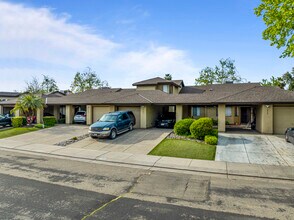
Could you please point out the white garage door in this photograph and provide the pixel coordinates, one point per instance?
(135, 110)
(283, 118)
(99, 111)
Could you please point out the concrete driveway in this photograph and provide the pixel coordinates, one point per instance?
(255, 149)
(138, 141)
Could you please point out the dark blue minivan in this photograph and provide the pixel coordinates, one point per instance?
(112, 124)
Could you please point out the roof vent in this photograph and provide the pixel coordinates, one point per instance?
(229, 82)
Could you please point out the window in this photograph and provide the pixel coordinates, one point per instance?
(195, 111)
(165, 88)
(171, 108)
(228, 111)
(125, 116)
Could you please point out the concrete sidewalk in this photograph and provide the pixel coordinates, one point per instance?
(213, 167)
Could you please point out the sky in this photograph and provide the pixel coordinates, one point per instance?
(125, 41)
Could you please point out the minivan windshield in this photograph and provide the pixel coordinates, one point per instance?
(108, 118)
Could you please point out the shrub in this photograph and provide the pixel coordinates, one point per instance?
(18, 121)
(49, 121)
(212, 140)
(61, 121)
(227, 123)
(40, 126)
(214, 132)
(215, 122)
(182, 127)
(201, 127)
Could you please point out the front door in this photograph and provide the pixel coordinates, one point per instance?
(245, 111)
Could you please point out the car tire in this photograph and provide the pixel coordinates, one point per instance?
(94, 137)
(287, 138)
(131, 127)
(113, 134)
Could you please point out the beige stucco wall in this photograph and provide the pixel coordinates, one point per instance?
(89, 114)
(179, 112)
(234, 119)
(146, 87)
(210, 111)
(56, 112)
(1, 109)
(69, 114)
(221, 118)
(40, 113)
(152, 115)
(264, 119)
(283, 118)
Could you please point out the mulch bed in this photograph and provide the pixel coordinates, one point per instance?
(72, 140)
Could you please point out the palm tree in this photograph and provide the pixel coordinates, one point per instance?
(28, 104)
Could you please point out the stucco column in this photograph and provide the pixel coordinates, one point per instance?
(267, 119)
(56, 112)
(1, 109)
(69, 113)
(251, 115)
(112, 108)
(89, 114)
(179, 112)
(143, 121)
(222, 118)
(40, 113)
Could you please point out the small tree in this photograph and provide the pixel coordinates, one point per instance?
(28, 104)
(274, 81)
(87, 80)
(34, 86)
(49, 84)
(289, 79)
(168, 76)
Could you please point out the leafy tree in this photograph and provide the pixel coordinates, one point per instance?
(168, 76)
(225, 71)
(278, 16)
(289, 79)
(87, 80)
(34, 87)
(274, 81)
(28, 104)
(49, 84)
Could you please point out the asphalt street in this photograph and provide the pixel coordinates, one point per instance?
(39, 187)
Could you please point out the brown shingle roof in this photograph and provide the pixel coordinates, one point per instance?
(158, 80)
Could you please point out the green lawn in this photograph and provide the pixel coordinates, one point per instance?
(184, 149)
(15, 131)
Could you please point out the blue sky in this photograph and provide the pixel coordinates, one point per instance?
(126, 40)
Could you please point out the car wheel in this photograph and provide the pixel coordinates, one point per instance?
(131, 127)
(287, 138)
(113, 134)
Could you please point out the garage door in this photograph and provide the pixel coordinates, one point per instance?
(135, 110)
(99, 111)
(283, 118)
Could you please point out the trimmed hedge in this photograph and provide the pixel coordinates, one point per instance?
(212, 140)
(40, 126)
(49, 121)
(201, 127)
(182, 127)
(18, 121)
(214, 132)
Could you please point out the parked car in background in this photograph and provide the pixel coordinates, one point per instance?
(5, 120)
(165, 121)
(80, 117)
(112, 124)
(289, 135)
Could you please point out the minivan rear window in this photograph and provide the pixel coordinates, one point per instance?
(80, 113)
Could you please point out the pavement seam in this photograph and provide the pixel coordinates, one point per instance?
(277, 151)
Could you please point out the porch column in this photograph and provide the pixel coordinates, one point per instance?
(179, 112)
(56, 111)
(222, 118)
(251, 115)
(1, 109)
(69, 113)
(89, 114)
(40, 113)
(143, 121)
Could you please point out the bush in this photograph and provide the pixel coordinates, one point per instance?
(61, 121)
(49, 121)
(212, 140)
(18, 121)
(182, 127)
(215, 122)
(227, 123)
(201, 127)
(214, 132)
(40, 126)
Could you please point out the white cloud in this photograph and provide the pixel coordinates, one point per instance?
(55, 46)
